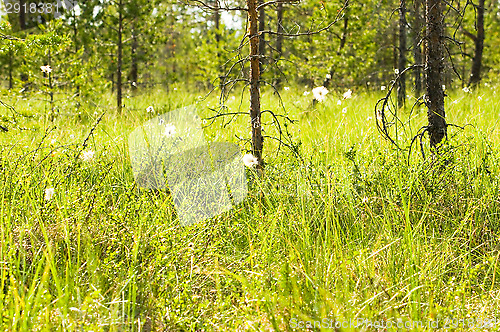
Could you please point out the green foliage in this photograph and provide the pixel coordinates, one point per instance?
(347, 230)
(341, 226)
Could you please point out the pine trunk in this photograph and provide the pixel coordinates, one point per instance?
(417, 48)
(402, 54)
(134, 66)
(262, 27)
(279, 38)
(475, 76)
(217, 43)
(255, 114)
(434, 68)
(119, 58)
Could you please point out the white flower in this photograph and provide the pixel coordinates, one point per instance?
(175, 89)
(250, 161)
(306, 93)
(72, 136)
(365, 199)
(49, 193)
(466, 89)
(169, 130)
(444, 87)
(479, 98)
(286, 88)
(347, 94)
(328, 76)
(344, 110)
(46, 69)
(87, 155)
(53, 141)
(150, 109)
(339, 102)
(233, 98)
(134, 84)
(396, 71)
(383, 87)
(369, 118)
(319, 93)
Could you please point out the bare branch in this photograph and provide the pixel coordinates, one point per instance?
(469, 34)
(214, 8)
(275, 2)
(308, 33)
(6, 37)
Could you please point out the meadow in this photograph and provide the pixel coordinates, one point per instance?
(342, 226)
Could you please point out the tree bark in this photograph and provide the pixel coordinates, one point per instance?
(217, 43)
(434, 67)
(417, 48)
(119, 58)
(475, 75)
(279, 38)
(402, 54)
(22, 15)
(11, 60)
(255, 114)
(134, 66)
(262, 40)
(343, 40)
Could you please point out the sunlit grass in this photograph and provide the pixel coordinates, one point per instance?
(347, 230)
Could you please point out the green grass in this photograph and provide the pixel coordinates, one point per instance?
(348, 230)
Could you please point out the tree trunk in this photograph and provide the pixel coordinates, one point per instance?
(343, 40)
(262, 41)
(75, 41)
(11, 60)
(255, 115)
(134, 67)
(417, 48)
(279, 38)
(395, 50)
(434, 67)
(217, 44)
(475, 75)
(119, 58)
(402, 54)
(22, 15)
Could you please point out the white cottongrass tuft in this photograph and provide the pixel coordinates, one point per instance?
(347, 94)
(250, 161)
(46, 69)
(49, 193)
(150, 109)
(87, 155)
(169, 130)
(320, 93)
